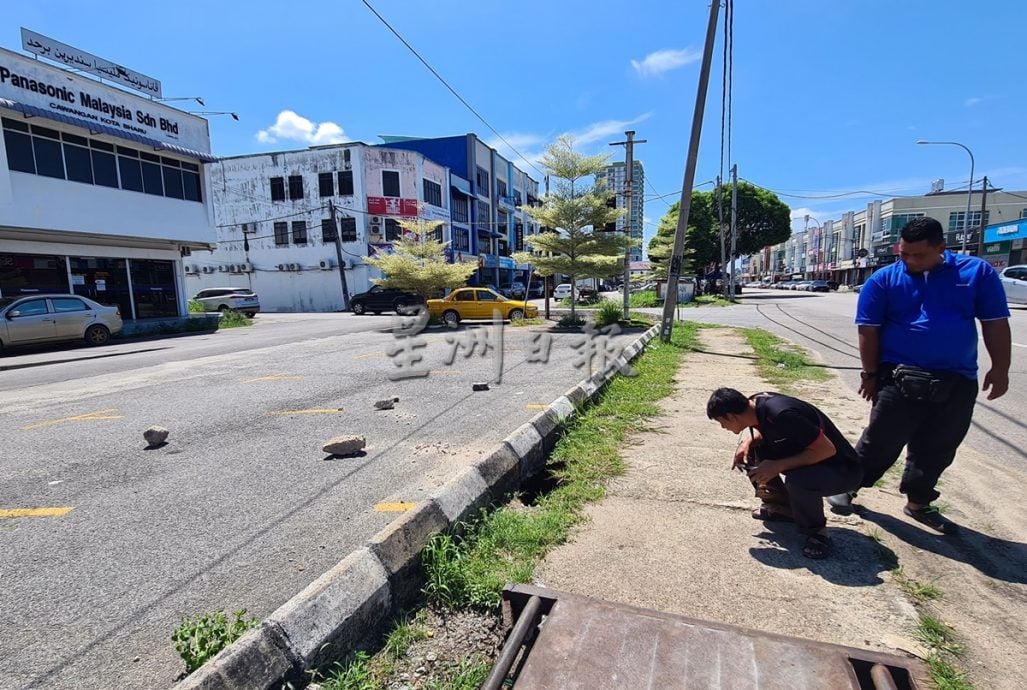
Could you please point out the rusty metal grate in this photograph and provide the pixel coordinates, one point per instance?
(568, 641)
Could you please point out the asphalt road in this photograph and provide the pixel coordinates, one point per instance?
(241, 509)
(823, 323)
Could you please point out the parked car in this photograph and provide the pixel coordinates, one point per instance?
(802, 285)
(379, 299)
(515, 291)
(1014, 280)
(818, 286)
(478, 303)
(536, 289)
(857, 288)
(224, 298)
(50, 318)
(562, 291)
(833, 285)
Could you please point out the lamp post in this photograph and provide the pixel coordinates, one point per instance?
(820, 240)
(198, 99)
(969, 191)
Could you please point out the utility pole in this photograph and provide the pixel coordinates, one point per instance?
(720, 226)
(734, 213)
(674, 272)
(629, 178)
(546, 278)
(984, 208)
(338, 256)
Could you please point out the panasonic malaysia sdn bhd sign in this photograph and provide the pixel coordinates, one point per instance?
(33, 83)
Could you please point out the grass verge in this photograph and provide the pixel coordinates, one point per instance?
(230, 318)
(468, 567)
(537, 321)
(779, 363)
(708, 301)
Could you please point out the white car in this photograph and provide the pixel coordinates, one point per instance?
(562, 291)
(1014, 280)
(224, 298)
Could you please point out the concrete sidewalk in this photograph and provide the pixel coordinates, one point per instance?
(675, 534)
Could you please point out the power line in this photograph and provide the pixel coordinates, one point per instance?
(451, 89)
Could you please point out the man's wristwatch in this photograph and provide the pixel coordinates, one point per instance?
(867, 375)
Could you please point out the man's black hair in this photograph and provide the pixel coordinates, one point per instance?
(923, 228)
(725, 401)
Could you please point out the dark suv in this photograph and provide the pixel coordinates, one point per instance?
(379, 299)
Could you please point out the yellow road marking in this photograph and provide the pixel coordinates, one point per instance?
(393, 507)
(369, 354)
(536, 407)
(88, 417)
(274, 377)
(318, 410)
(34, 512)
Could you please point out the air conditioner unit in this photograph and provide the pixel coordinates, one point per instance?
(326, 265)
(208, 269)
(233, 268)
(246, 268)
(376, 220)
(223, 268)
(375, 237)
(347, 165)
(192, 268)
(295, 267)
(283, 267)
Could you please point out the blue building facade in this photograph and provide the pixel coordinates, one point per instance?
(487, 195)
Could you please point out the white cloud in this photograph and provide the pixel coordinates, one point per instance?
(971, 102)
(532, 146)
(600, 131)
(662, 61)
(289, 126)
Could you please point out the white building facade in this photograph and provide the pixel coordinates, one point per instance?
(273, 214)
(102, 192)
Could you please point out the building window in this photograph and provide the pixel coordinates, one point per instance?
(501, 188)
(390, 183)
(432, 193)
(461, 240)
(481, 180)
(348, 229)
(328, 230)
(66, 156)
(282, 234)
(326, 184)
(956, 220)
(346, 182)
(299, 232)
(484, 219)
(295, 187)
(459, 209)
(277, 189)
(393, 231)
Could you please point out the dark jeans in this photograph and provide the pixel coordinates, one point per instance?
(931, 433)
(808, 485)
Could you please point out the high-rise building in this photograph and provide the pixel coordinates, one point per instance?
(613, 177)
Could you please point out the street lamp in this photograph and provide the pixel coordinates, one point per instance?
(219, 112)
(820, 240)
(198, 99)
(969, 192)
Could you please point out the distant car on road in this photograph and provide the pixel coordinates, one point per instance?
(562, 291)
(515, 291)
(478, 303)
(48, 318)
(379, 299)
(1014, 280)
(818, 286)
(224, 298)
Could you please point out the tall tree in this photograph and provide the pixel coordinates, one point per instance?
(577, 210)
(418, 262)
(701, 239)
(762, 219)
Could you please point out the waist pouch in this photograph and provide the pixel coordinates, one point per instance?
(921, 385)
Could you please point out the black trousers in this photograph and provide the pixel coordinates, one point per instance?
(930, 432)
(808, 485)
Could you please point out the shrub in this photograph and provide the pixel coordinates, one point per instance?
(197, 640)
(608, 312)
(569, 321)
(646, 298)
(230, 318)
(196, 307)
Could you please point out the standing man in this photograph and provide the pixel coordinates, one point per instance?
(918, 346)
(788, 437)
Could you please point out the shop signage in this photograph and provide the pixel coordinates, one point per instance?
(1013, 230)
(391, 206)
(34, 83)
(87, 62)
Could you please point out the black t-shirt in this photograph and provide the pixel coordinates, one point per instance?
(789, 426)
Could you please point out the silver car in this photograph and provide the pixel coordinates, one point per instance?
(224, 298)
(46, 318)
(1014, 280)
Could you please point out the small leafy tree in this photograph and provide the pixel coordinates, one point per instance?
(578, 211)
(418, 262)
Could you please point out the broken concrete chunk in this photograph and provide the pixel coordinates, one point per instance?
(155, 435)
(386, 404)
(344, 445)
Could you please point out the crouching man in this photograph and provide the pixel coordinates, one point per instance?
(792, 439)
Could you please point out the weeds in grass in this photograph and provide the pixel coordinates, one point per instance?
(779, 363)
(199, 639)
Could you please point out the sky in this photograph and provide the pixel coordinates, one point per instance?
(828, 98)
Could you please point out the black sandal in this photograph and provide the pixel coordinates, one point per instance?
(817, 546)
(767, 515)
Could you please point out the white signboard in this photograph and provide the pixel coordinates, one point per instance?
(80, 59)
(32, 82)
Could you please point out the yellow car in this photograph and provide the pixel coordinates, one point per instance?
(478, 303)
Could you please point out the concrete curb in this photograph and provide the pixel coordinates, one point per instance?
(346, 604)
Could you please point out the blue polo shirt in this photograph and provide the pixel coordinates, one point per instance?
(927, 320)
